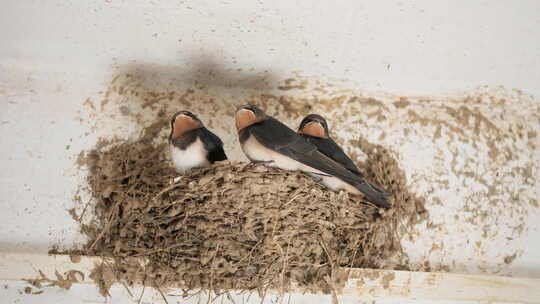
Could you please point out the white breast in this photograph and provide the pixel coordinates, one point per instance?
(336, 184)
(257, 152)
(193, 156)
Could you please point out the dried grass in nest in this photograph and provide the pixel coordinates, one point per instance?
(236, 225)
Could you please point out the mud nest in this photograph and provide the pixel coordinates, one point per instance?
(236, 225)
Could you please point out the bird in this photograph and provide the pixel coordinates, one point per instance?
(266, 140)
(191, 145)
(314, 128)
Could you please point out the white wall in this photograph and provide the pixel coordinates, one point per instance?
(413, 47)
(56, 54)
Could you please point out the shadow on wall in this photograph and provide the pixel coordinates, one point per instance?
(142, 97)
(202, 71)
(204, 85)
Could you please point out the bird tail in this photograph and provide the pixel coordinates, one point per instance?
(374, 194)
(380, 189)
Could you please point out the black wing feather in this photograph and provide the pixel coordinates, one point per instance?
(213, 144)
(329, 148)
(276, 136)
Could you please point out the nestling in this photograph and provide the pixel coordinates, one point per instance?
(191, 145)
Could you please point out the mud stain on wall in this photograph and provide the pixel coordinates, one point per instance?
(473, 156)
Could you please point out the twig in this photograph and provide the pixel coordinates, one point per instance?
(248, 297)
(291, 200)
(264, 295)
(209, 294)
(117, 278)
(169, 188)
(331, 279)
(327, 253)
(354, 257)
(161, 293)
(330, 282)
(142, 293)
(283, 269)
(217, 296)
(230, 297)
(159, 250)
(107, 226)
(84, 210)
(250, 252)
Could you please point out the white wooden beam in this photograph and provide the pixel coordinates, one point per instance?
(367, 284)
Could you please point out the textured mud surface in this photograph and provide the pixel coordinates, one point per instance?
(236, 225)
(473, 157)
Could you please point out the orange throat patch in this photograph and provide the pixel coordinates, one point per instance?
(244, 118)
(184, 124)
(313, 129)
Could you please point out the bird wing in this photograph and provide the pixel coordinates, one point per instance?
(213, 144)
(274, 135)
(328, 147)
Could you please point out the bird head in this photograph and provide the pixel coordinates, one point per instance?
(248, 115)
(314, 125)
(183, 122)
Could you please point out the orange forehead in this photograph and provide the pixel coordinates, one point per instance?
(314, 129)
(244, 118)
(183, 124)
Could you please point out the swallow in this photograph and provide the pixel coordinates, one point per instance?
(267, 140)
(314, 129)
(191, 145)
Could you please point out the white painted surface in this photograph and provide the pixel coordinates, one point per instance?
(56, 54)
(364, 285)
